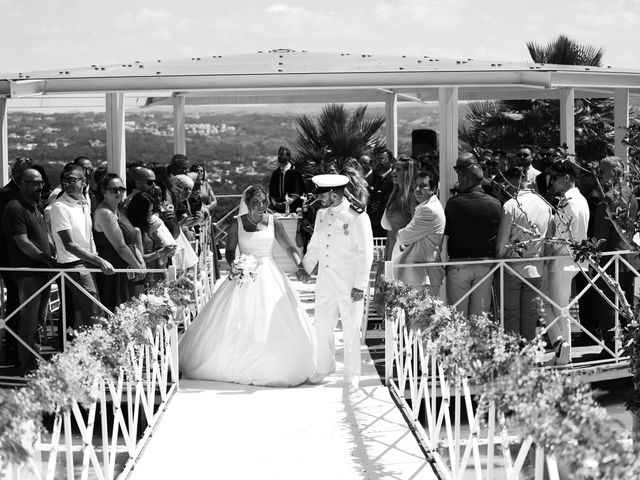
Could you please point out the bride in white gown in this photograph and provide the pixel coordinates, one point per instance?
(256, 333)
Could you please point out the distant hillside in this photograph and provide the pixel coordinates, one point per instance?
(237, 148)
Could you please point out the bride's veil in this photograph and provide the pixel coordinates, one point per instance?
(242, 207)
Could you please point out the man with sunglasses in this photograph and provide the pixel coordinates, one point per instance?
(545, 159)
(144, 181)
(8, 193)
(29, 245)
(523, 159)
(71, 225)
(86, 164)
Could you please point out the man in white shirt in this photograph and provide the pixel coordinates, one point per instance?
(570, 223)
(71, 227)
(526, 217)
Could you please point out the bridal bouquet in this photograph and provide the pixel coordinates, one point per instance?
(243, 269)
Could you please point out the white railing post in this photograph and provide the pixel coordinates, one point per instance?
(389, 334)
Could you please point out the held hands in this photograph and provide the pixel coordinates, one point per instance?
(302, 275)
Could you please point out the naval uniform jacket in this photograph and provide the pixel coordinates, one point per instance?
(342, 247)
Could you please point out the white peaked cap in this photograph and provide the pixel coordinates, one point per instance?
(329, 182)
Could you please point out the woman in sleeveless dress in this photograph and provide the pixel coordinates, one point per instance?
(118, 242)
(256, 333)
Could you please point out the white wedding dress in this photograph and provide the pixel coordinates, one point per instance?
(256, 333)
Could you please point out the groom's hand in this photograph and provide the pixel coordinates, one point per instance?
(356, 294)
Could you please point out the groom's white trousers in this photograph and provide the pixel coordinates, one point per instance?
(327, 311)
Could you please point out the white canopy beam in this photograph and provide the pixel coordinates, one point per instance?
(179, 132)
(391, 122)
(567, 119)
(116, 150)
(4, 143)
(448, 115)
(621, 121)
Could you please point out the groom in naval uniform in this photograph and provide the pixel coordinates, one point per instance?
(342, 247)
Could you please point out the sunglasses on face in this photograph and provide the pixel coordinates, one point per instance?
(70, 180)
(547, 154)
(116, 190)
(88, 171)
(522, 155)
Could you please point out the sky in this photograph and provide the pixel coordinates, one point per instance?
(41, 34)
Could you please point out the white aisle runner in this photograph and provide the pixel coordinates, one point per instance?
(215, 430)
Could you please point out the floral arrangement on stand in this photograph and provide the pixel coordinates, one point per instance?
(557, 410)
(96, 352)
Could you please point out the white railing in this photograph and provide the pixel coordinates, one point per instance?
(135, 400)
(66, 280)
(457, 445)
(497, 269)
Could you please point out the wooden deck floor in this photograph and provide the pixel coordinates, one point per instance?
(327, 431)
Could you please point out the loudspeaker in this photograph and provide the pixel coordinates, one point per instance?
(423, 141)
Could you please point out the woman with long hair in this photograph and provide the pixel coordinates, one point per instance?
(356, 190)
(402, 202)
(397, 214)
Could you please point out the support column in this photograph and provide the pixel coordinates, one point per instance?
(448, 117)
(4, 143)
(567, 119)
(179, 133)
(116, 150)
(391, 116)
(621, 122)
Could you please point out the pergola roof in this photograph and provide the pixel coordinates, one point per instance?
(285, 76)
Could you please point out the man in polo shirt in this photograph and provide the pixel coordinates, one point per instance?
(71, 226)
(472, 220)
(29, 245)
(7, 193)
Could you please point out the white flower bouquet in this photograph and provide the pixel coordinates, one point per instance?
(243, 269)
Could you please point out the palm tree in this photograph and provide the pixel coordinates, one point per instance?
(509, 124)
(336, 134)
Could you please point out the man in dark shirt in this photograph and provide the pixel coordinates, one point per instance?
(285, 182)
(472, 220)
(28, 245)
(8, 193)
(380, 190)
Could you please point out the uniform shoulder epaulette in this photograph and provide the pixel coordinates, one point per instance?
(356, 208)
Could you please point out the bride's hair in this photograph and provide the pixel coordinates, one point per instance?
(252, 191)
